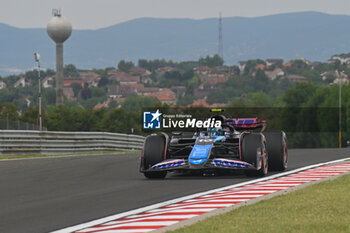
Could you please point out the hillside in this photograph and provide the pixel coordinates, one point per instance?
(312, 35)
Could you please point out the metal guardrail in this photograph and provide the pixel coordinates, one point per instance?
(56, 142)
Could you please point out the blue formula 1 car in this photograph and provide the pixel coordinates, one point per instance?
(234, 145)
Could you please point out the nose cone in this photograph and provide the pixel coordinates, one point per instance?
(59, 29)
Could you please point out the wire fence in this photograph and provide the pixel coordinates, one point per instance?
(6, 124)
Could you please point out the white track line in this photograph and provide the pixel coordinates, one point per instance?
(182, 199)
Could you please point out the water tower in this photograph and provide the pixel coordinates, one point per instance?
(59, 29)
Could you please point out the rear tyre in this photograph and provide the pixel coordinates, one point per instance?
(277, 150)
(253, 152)
(153, 153)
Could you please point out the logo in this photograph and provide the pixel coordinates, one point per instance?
(151, 120)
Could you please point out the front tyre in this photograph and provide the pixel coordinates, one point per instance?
(253, 152)
(153, 153)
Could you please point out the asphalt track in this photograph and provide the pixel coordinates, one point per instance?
(42, 195)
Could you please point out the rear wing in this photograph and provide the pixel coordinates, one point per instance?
(247, 123)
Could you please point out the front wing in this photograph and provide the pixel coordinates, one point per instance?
(216, 163)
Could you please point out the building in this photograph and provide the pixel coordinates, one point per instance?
(21, 83)
(274, 73)
(260, 67)
(90, 78)
(69, 93)
(116, 91)
(212, 83)
(48, 82)
(164, 95)
(198, 103)
(296, 78)
(204, 70)
(68, 81)
(344, 59)
(2, 85)
(242, 65)
(139, 71)
(129, 80)
(288, 64)
(271, 62)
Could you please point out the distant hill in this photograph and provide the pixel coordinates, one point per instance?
(312, 35)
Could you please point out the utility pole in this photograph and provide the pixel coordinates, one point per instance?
(37, 60)
(340, 83)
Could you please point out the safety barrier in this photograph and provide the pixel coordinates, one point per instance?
(56, 142)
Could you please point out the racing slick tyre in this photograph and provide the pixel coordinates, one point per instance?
(153, 153)
(277, 150)
(253, 152)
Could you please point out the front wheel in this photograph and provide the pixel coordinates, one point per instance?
(253, 152)
(153, 153)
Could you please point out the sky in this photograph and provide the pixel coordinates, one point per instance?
(94, 14)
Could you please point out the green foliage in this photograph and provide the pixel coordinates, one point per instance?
(31, 115)
(86, 93)
(136, 103)
(240, 86)
(186, 100)
(103, 82)
(70, 70)
(48, 96)
(251, 66)
(298, 96)
(63, 118)
(152, 65)
(175, 78)
(98, 92)
(76, 89)
(213, 61)
(8, 110)
(125, 66)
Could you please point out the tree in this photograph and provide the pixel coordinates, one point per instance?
(98, 92)
(103, 81)
(86, 93)
(125, 66)
(76, 89)
(70, 70)
(136, 103)
(9, 110)
(49, 96)
(214, 61)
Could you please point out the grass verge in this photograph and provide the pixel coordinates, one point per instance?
(323, 207)
(29, 156)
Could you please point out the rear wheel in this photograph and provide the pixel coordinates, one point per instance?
(153, 153)
(277, 150)
(253, 152)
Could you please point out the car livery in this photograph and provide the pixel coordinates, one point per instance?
(239, 143)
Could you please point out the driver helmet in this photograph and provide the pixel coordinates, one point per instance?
(215, 131)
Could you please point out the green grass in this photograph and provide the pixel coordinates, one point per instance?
(3, 157)
(323, 207)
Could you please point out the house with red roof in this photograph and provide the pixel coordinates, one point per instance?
(260, 67)
(91, 78)
(68, 81)
(288, 64)
(200, 102)
(139, 71)
(164, 95)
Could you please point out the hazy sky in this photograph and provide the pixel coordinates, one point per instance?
(91, 14)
